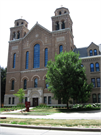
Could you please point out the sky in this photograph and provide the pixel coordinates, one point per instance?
(85, 14)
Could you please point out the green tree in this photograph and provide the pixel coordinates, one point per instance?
(66, 78)
(3, 83)
(20, 94)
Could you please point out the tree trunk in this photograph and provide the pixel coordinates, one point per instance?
(67, 106)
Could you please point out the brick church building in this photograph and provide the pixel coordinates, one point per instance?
(29, 52)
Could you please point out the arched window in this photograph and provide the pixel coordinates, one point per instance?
(27, 59)
(98, 82)
(95, 52)
(46, 84)
(17, 24)
(90, 53)
(35, 83)
(36, 56)
(59, 12)
(57, 25)
(22, 23)
(94, 98)
(60, 48)
(13, 35)
(91, 67)
(93, 81)
(12, 86)
(65, 12)
(81, 65)
(25, 84)
(18, 35)
(63, 25)
(14, 60)
(26, 25)
(46, 56)
(97, 66)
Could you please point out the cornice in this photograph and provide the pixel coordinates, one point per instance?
(27, 71)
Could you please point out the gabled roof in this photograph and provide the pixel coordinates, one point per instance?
(91, 44)
(81, 51)
(37, 24)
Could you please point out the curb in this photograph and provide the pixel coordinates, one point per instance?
(52, 128)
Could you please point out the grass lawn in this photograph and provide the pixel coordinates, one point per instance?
(10, 109)
(48, 111)
(52, 122)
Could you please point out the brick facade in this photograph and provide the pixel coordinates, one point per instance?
(23, 40)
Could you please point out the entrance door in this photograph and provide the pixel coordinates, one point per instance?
(35, 102)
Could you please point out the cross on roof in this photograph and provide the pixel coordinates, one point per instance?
(21, 17)
(61, 5)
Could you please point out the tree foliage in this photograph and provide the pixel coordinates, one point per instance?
(67, 79)
(3, 83)
(20, 94)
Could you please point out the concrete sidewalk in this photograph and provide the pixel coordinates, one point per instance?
(79, 115)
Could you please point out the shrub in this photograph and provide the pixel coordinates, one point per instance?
(42, 106)
(21, 105)
(89, 106)
(77, 106)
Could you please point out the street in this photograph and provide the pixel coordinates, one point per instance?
(23, 131)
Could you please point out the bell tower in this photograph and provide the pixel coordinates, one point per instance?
(62, 19)
(62, 28)
(19, 30)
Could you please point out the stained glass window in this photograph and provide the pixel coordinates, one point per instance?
(97, 66)
(46, 56)
(60, 48)
(36, 56)
(35, 83)
(27, 59)
(14, 60)
(12, 88)
(25, 84)
(92, 67)
(95, 52)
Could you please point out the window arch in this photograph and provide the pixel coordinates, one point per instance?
(17, 24)
(27, 59)
(97, 66)
(91, 67)
(36, 56)
(46, 56)
(95, 52)
(57, 25)
(60, 48)
(25, 84)
(63, 25)
(90, 53)
(12, 86)
(14, 60)
(18, 35)
(22, 23)
(59, 12)
(65, 12)
(35, 83)
(14, 35)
